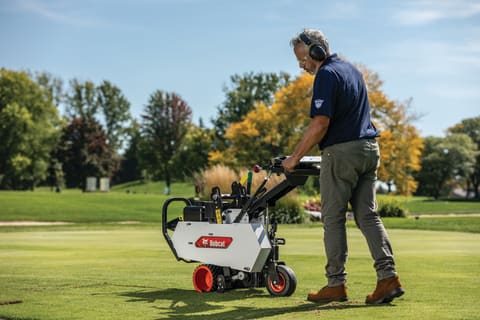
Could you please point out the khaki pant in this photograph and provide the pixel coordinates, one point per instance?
(348, 174)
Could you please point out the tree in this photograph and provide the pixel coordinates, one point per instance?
(242, 95)
(88, 106)
(82, 100)
(270, 130)
(165, 124)
(443, 160)
(29, 126)
(471, 127)
(130, 168)
(54, 90)
(275, 129)
(52, 85)
(116, 111)
(193, 154)
(400, 142)
(84, 152)
(104, 103)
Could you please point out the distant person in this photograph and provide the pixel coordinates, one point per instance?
(341, 126)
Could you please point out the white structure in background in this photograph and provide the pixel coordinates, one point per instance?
(91, 184)
(104, 184)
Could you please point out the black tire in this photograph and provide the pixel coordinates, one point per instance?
(205, 278)
(286, 285)
(221, 283)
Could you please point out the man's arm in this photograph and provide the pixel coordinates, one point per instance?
(316, 131)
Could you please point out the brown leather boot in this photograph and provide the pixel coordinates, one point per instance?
(386, 290)
(329, 294)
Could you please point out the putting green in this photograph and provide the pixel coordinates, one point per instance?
(128, 272)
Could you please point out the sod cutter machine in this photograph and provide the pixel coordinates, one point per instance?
(232, 236)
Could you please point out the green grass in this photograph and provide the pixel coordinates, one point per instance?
(155, 187)
(98, 269)
(458, 224)
(75, 206)
(143, 203)
(128, 272)
(424, 205)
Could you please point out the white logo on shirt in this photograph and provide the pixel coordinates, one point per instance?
(318, 103)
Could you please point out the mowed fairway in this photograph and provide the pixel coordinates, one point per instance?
(128, 272)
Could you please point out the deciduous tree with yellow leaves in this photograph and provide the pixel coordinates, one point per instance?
(273, 130)
(268, 131)
(400, 142)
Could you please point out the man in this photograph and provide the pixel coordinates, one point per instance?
(342, 128)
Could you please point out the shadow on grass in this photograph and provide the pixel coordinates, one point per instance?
(191, 305)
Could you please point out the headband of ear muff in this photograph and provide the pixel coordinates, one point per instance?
(315, 51)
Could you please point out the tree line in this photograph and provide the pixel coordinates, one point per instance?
(263, 115)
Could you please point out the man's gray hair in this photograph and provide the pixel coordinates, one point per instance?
(316, 36)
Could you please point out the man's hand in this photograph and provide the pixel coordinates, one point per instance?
(289, 163)
(316, 131)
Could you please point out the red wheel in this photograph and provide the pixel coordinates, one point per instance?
(286, 284)
(204, 278)
(279, 286)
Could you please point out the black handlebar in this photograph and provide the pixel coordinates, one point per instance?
(303, 168)
(164, 222)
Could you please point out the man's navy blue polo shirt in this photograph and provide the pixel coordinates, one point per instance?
(340, 93)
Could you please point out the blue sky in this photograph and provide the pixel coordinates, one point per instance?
(427, 50)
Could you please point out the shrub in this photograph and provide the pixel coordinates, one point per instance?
(386, 207)
(391, 208)
(313, 204)
(311, 186)
(217, 176)
(288, 210)
(312, 208)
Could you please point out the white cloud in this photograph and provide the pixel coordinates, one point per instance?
(56, 11)
(429, 11)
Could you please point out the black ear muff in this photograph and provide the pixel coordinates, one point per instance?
(315, 51)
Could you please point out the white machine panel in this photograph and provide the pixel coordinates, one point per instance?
(240, 246)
